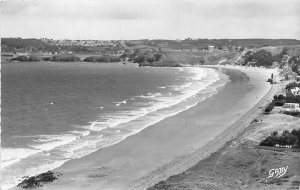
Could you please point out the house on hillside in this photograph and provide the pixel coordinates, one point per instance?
(295, 91)
(211, 48)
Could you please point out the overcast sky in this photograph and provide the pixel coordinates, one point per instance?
(153, 19)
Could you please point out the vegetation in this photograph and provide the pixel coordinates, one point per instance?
(295, 64)
(26, 58)
(290, 98)
(264, 58)
(286, 138)
(46, 58)
(65, 58)
(26, 45)
(37, 45)
(104, 58)
(270, 107)
(259, 58)
(279, 100)
(292, 85)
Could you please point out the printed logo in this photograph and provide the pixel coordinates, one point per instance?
(277, 172)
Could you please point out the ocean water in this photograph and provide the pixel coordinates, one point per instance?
(54, 112)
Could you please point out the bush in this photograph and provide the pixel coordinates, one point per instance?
(295, 64)
(286, 138)
(104, 58)
(270, 107)
(297, 134)
(269, 141)
(279, 100)
(20, 58)
(46, 58)
(139, 58)
(94, 59)
(26, 58)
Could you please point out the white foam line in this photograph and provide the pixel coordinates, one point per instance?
(92, 143)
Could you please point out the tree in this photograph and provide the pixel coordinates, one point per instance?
(295, 63)
(260, 58)
(287, 138)
(297, 134)
(269, 141)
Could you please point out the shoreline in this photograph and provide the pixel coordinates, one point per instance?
(187, 161)
(181, 163)
(241, 163)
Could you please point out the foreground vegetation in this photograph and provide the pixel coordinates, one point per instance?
(287, 138)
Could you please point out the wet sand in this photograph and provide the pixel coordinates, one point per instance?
(172, 145)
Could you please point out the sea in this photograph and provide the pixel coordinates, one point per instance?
(55, 112)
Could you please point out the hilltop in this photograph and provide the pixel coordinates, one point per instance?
(159, 53)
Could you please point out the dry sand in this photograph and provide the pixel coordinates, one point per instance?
(174, 144)
(240, 163)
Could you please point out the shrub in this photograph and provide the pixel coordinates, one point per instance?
(270, 107)
(65, 58)
(279, 100)
(26, 58)
(286, 138)
(20, 58)
(104, 58)
(269, 141)
(46, 58)
(297, 134)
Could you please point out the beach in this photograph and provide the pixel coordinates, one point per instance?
(174, 144)
(241, 163)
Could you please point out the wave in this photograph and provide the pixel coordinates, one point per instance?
(49, 142)
(83, 133)
(119, 103)
(150, 95)
(13, 155)
(111, 128)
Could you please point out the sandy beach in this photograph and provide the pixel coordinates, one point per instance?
(175, 144)
(240, 163)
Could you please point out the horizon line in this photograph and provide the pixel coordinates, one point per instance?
(258, 38)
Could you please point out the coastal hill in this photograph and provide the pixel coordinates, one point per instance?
(116, 46)
(159, 53)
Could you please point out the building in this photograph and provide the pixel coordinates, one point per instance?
(211, 48)
(295, 91)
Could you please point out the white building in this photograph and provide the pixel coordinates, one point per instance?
(295, 91)
(211, 48)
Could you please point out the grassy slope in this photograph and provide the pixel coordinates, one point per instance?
(241, 165)
(292, 49)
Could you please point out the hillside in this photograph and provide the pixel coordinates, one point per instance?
(115, 46)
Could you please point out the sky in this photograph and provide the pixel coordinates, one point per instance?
(150, 19)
